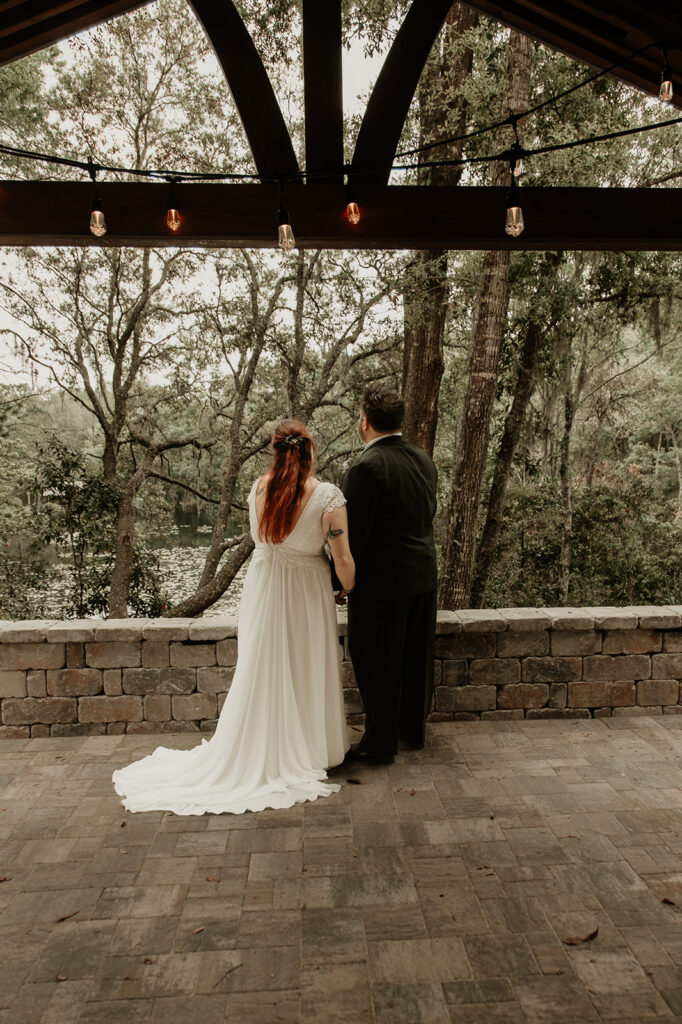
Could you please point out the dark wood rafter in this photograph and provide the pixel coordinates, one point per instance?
(394, 89)
(250, 86)
(323, 89)
(399, 217)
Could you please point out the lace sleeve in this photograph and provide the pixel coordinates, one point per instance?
(334, 499)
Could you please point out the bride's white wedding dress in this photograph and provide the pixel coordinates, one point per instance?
(283, 722)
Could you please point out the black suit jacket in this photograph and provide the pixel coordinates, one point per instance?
(391, 495)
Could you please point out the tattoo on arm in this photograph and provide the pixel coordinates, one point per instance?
(260, 489)
(333, 534)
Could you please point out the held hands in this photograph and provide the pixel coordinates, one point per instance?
(341, 595)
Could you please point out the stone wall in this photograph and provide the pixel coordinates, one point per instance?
(172, 675)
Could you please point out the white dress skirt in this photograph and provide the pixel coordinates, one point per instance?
(283, 722)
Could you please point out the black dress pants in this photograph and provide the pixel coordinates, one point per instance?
(391, 644)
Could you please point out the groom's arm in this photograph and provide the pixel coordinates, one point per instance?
(362, 489)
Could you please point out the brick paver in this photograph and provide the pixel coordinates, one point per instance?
(440, 889)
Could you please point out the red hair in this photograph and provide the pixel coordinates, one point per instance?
(292, 463)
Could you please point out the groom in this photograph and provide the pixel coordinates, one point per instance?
(391, 495)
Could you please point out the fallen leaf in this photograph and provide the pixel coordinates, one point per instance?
(412, 792)
(65, 917)
(210, 878)
(123, 824)
(355, 782)
(6, 878)
(576, 940)
(123, 851)
(197, 930)
(671, 903)
(147, 960)
(60, 977)
(492, 815)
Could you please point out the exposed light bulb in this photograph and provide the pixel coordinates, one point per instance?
(665, 93)
(353, 212)
(98, 225)
(514, 224)
(285, 236)
(173, 220)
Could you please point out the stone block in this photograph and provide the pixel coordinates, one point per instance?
(454, 673)
(194, 706)
(475, 620)
(569, 618)
(558, 693)
(658, 691)
(167, 629)
(112, 682)
(31, 710)
(672, 642)
(28, 631)
(214, 679)
(189, 655)
(15, 732)
(110, 709)
(551, 670)
(40, 731)
(467, 698)
(72, 631)
(637, 712)
(116, 728)
(15, 656)
(155, 653)
(575, 642)
(121, 630)
(220, 698)
(602, 712)
(523, 695)
(525, 620)
(434, 716)
(656, 617)
(437, 673)
(208, 724)
(498, 671)
(226, 652)
(465, 716)
(79, 729)
(13, 684)
(74, 682)
(466, 645)
(514, 715)
(157, 707)
(612, 618)
(151, 728)
(558, 713)
(448, 622)
(159, 680)
(632, 641)
(219, 627)
(352, 702)
(525, 643)
(75, 655)
(36, 683)
(605, 693)
(666, 666)
(113, 654)
(673, 709)
(623, 666)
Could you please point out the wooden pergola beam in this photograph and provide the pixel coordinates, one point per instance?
(37, 213)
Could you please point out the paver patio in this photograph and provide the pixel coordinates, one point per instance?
(439, 889)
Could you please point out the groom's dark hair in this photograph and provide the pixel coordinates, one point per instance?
(383, 407)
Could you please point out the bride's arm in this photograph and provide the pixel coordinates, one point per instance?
(335, 526)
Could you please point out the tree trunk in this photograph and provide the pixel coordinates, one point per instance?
(472, 447)
(505, 456)
(442, 111)
(123, 564)
(566, 486)
(207, 595)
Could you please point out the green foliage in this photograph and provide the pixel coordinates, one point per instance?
(627, 548)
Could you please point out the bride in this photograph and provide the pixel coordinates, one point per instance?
(283, 722)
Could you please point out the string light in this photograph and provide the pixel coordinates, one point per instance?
(285, 235)
(173, 219)
(514, 223)
(352, 208)
(98, 225)
(665, 93)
